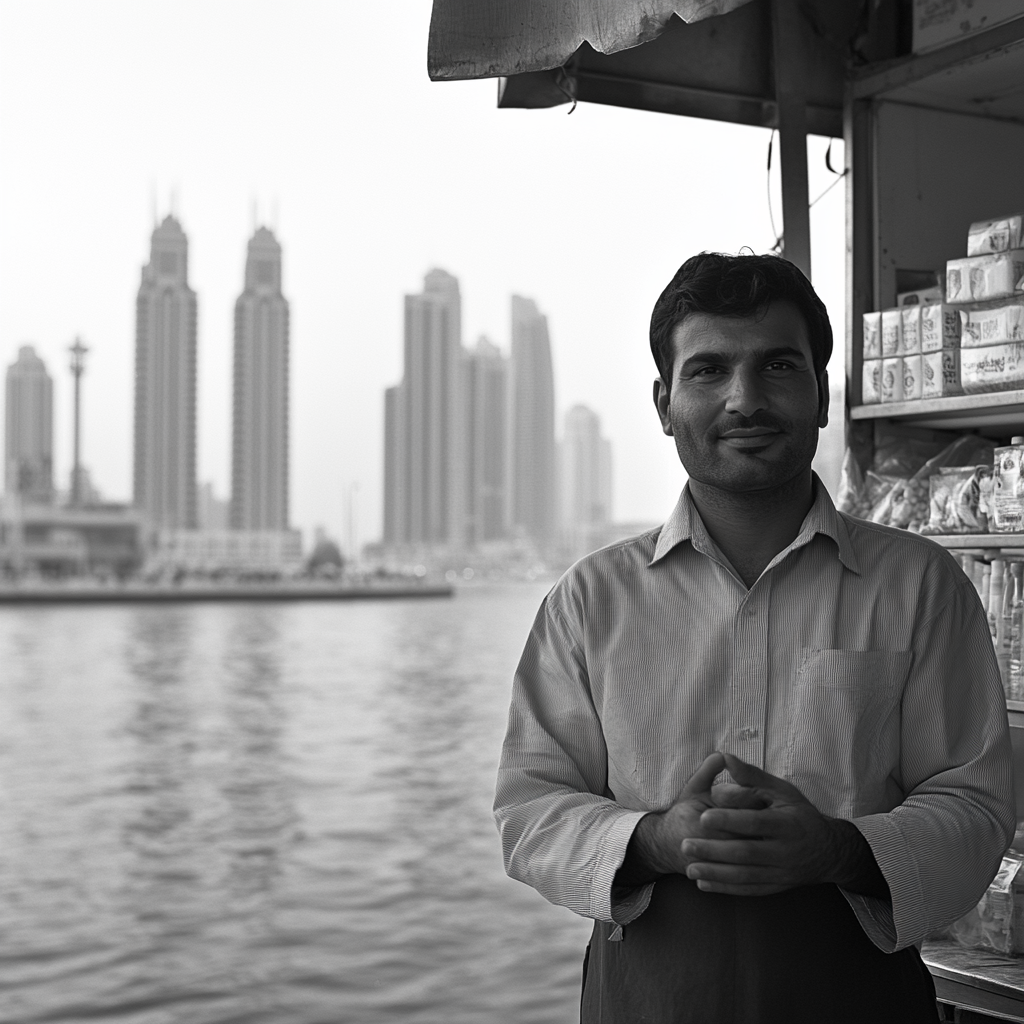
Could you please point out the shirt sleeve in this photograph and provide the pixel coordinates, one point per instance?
(561, 833)
(940, 848)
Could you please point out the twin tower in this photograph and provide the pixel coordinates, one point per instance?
(165, 389)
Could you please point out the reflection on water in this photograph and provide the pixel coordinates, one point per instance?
(274, 813)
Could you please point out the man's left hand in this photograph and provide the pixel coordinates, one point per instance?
(787, 844)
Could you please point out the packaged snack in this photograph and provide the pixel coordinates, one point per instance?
(955, 500)
(1008, 488)
(872, 335)
(940, 373)
(911, 377)
(992, 326)
(920, 297)
(907, 504)
(992, 368)
(998, 235)
(990, 925)
(871, 385)
(851, 497)
(910, 331)
(978, 278)
(940, 327)
(892, 323)
(892, 380)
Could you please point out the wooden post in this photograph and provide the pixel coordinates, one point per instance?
(789, 58)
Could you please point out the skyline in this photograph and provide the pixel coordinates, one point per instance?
(371, 192)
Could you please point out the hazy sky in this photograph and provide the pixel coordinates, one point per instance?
(321, 112)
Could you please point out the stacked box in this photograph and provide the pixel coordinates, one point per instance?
(997, 235)
(980, 278)
(992, 368)
(940, 327)
(911, 377)
(892, 325)
(872, 335)
(937, 22)
(940, 373)
(992, 326)
(891, 386)
(910, 331)
(871, 384)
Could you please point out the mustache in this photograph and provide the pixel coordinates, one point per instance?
(759, 421)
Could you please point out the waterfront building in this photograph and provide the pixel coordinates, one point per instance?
(585, 483)
(237, 553)
(165, 384)
(28, 439)
(424, 434)
(259, 452)
(486, 422)
(48, 540)
(533, 425)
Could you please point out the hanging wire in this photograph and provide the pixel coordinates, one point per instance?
(777, 247)
(839, 175)
(565, 81)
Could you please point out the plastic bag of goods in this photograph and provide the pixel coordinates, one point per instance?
(908, 503)
(996, 922)
(959, 500)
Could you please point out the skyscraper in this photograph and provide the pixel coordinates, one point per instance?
(29, 435)
(259, 452)
(533, 424)
(585, 481)
(424, 440)
(485, 393)
(165, 384)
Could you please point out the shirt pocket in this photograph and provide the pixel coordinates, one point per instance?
(844, 728)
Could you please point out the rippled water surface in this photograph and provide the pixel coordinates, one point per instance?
(277, 813)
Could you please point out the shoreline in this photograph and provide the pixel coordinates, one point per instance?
(71, 594)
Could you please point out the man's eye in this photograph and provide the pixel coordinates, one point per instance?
(706, 371)
(779, 364)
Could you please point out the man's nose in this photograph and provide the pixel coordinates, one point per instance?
(746, 394)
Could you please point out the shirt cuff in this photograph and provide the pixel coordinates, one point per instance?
(900, 921)
(610, 856)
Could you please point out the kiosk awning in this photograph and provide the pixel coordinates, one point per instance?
(498, 38)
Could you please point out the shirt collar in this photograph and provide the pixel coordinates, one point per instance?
(684, 524)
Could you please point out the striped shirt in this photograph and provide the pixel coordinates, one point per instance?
(859, 667)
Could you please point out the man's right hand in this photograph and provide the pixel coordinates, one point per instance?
(656, 846)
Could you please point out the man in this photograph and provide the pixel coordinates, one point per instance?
(841, 673)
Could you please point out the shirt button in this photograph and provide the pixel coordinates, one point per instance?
(748, 734)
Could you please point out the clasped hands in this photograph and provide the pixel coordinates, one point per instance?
(756, 836)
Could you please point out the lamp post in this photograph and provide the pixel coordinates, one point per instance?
(78, 351)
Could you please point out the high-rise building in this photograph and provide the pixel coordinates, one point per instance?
(165, 384)
(424, 439)
(259, 452)
(29, 435)
(395, 512)
(533, 424)
(485, 393)
(585, 480)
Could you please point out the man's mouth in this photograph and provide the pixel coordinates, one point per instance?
(748, 437)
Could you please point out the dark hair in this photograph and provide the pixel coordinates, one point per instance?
(740, 286)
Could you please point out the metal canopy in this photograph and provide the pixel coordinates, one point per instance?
(491, 38)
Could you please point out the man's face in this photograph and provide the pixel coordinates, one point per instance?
(745, 405)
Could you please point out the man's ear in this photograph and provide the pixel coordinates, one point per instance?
(823, 397)
(661, 402)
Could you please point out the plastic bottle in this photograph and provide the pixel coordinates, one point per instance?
(1014, 687)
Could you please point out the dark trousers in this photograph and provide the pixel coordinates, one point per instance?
(703, 958)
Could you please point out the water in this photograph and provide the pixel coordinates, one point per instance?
(267, 813)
